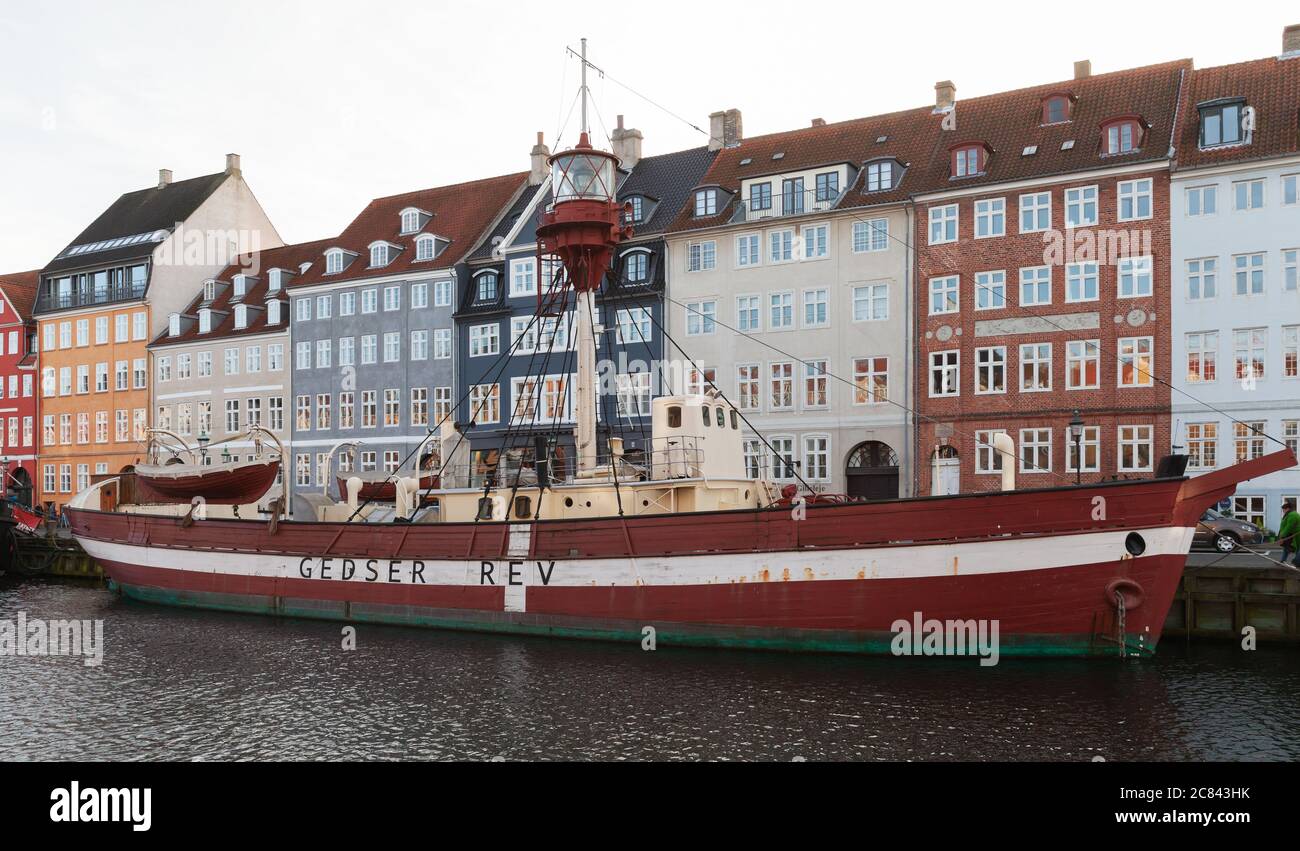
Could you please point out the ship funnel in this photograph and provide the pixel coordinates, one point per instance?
(1006, 447)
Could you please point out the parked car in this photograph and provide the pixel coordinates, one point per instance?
(1225, 534)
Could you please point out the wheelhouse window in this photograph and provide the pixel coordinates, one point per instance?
(1221, 123)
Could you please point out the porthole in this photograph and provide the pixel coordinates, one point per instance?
(568, 502)
(1135, 544)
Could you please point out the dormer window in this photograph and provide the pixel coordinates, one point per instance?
(968, 160)
(1121, 136)
(205, 321)
(241, 286)
(880, 175)
(380, 254)
(1222, 123)
(335, 261)
(827, 186)
(275, 280)
(706, 203)
(174, 325)
(637, 203)
(241, 316)
(1056, 109)
(273, 312)
(411, 220)
(487, 286)
(425, 248)
(209, 290)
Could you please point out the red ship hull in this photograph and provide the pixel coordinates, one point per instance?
(1046, 566)
(240, 486)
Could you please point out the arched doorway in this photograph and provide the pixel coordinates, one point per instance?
(945, 476)
(20, 485)
(872, 471)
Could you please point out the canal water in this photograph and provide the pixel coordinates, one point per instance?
(208, 686)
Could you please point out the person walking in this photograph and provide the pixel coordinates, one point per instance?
(1288, 534)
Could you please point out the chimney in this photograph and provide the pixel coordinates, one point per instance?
(627, 145)
(1083, 69)
(232, 164)
(164, 177)
(540, 154)
(724, 129)
(945, 95)
(1291, 39)
(819, 122)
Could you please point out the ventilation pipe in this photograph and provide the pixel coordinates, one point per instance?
(1006, 447)
(406, 489)
(354, 491)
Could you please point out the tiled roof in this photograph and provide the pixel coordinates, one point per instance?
(288, 257)
(20, 289)
(153, 209)
(1271, 86)
(1007, 123)
(668, 179)
(527, 233)
(462, 213)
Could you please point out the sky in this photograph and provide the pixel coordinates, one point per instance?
(331, 104)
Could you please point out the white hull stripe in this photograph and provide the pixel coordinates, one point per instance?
(994, 556)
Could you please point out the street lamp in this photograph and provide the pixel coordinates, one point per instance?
(1076, 431)
(203, 447)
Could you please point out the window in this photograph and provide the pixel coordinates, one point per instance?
(637, 203)
(369, 416)
(943, 224)
(781, 246)
(1202, 356)
(634, 325)
(1121, 137)
(944, 297)
(392, 346)
(441, 343)
(760, 196)
(753, 453)
(410, 221)
(748, 313)
(484, 340)
(1221, 124)
(253, 359)
(369, 349)
(870, 381)
(139, 376)
(783, 464)
(1248, 440)
(987, 458)
(392, 407)
(1134, 199)
(871, 235)
(1081, 206)
(781, 385)
(814, 384)
(425, 248)
(442, 293)
(1134, 277)
(815, 309)
(324, 306)
(485, 403)
(1202, 278)
(370, 300)
(1249, 273)
(232, 415)
(302, 355)
(1290, 189)
(1056, 109)
(442, 403)
(323, 411)
(701, 256)
(701, 317)
(636, 267)
(1248, 194)
(254, 413)
(1290, 434)
(419, 295)
(990, 218)
(164, 369)
(792, 196)
(347, 303)
(122, 372)
(945, 378)
(871, 303)
(333, 261)
(706, 202)
(1135, 448)
(1252, 509)
(392, 299)
(274, 358)
(324, 354)
(1081, 282)
(967, 161)
(1035, 285)
(990, 290)
(1202, 445)
(780, 310)
(747, 249)
(139, 326)
(1035, 450)
(634, 395)
(1089, 446)
(880, 175)
(991, 370)
(747, 386)
(1202, 200)
(815, 242)
(1035, 367)
(379, 255)
(120, 323)
(1136, 362)
(1250, 352)
(1290, 264)
(1290, 350)
(828, 186)
(419, 345)
(83, 333)
(816, 457)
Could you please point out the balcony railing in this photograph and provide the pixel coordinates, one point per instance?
(790, 204)
(86, 298)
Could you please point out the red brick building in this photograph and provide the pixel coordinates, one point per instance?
(18, 395)
(1043, 281)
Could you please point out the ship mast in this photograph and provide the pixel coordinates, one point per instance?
(582, 228)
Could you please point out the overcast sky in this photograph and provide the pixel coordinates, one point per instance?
(332, 104)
